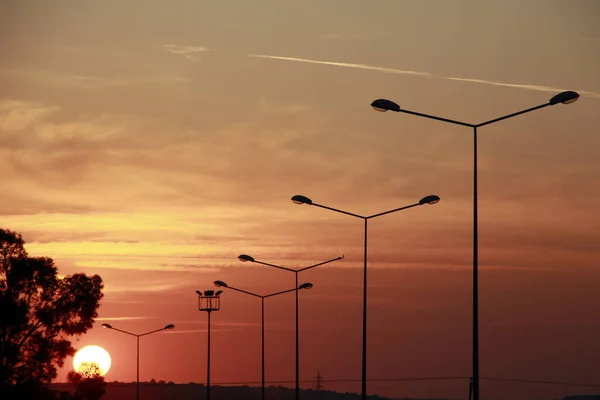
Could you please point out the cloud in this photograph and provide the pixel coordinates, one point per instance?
(18, 115)
(223, 323)
(120, 318)
(189, 52)
(182, 49)
(338, 36)
(145, 265)
(80, 81)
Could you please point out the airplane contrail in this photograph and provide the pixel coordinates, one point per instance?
(186, 50)
(341, 64)
(425, 74)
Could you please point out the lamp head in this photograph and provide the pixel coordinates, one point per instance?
(384, 105)
(245, 257)
(567, 97)
(209, 293)
(220, 284)
(218, 293)
(299, 199)
(199, 293)
(169, 327)
(431, 199)
(306, 285)
(107, 326)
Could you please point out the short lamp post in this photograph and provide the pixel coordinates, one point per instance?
(222, 284)
(300, 199)
(138, 336)
(383, 105)
(247, 258)
(208, 301)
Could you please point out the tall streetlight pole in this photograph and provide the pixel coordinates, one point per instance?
(306, 285)
(208, 301)
(299, 199)
(387, 105)
(138, 336)
(246, 258)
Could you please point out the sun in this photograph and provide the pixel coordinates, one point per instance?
(92, 355)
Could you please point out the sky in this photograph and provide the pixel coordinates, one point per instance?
(152, 142)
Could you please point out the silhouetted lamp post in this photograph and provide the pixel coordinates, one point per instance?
(208, 301)
(246, 258)
(222, 284)
(299, 199)
(137, 382)
(383, 105)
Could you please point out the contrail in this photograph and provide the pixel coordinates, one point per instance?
(347, 65)
(188, 52)
(425, 74)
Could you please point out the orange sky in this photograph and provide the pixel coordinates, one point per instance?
(152, 144)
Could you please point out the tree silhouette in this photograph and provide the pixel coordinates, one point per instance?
(89, 383)
(39, 313)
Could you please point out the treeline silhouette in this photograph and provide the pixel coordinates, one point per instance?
(162, 390)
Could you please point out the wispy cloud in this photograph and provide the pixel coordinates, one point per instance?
(212, 329)
(337, 36)
(189, 52)
(81, 81)
(17, 115)
(120, 318)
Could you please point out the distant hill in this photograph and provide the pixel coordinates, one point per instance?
(583, 397)
(194, 391)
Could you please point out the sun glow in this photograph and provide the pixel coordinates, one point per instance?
(92, 355)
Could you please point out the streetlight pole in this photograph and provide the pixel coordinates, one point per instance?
(306, 285)
(209, 301)
(246, 258)
(387, 105)
(137, 336)
(300, 199)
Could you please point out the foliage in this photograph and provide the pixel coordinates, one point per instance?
(39, 313)
(89, 383)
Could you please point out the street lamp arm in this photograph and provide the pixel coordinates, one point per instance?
(392, 211)
(339, 211)
(278, 293)
(321, 263)
(244, 291)
(418, 114)
(274, 266)
(512, 115)
(154, 331)
(125, 332)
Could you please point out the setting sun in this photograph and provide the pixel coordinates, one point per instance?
(92, 355)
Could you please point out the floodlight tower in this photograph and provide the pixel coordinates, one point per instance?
(209, 301)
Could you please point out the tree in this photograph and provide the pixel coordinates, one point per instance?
(40, 311)
(89, 383)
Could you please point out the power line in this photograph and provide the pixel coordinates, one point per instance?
(311, 381)
(408, 379)
(543, 382)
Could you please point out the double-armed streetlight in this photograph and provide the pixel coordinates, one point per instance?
(387, 105)
(208, 301)
(138, 336)
(222, 284)
(247, 258)
(299, 199)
